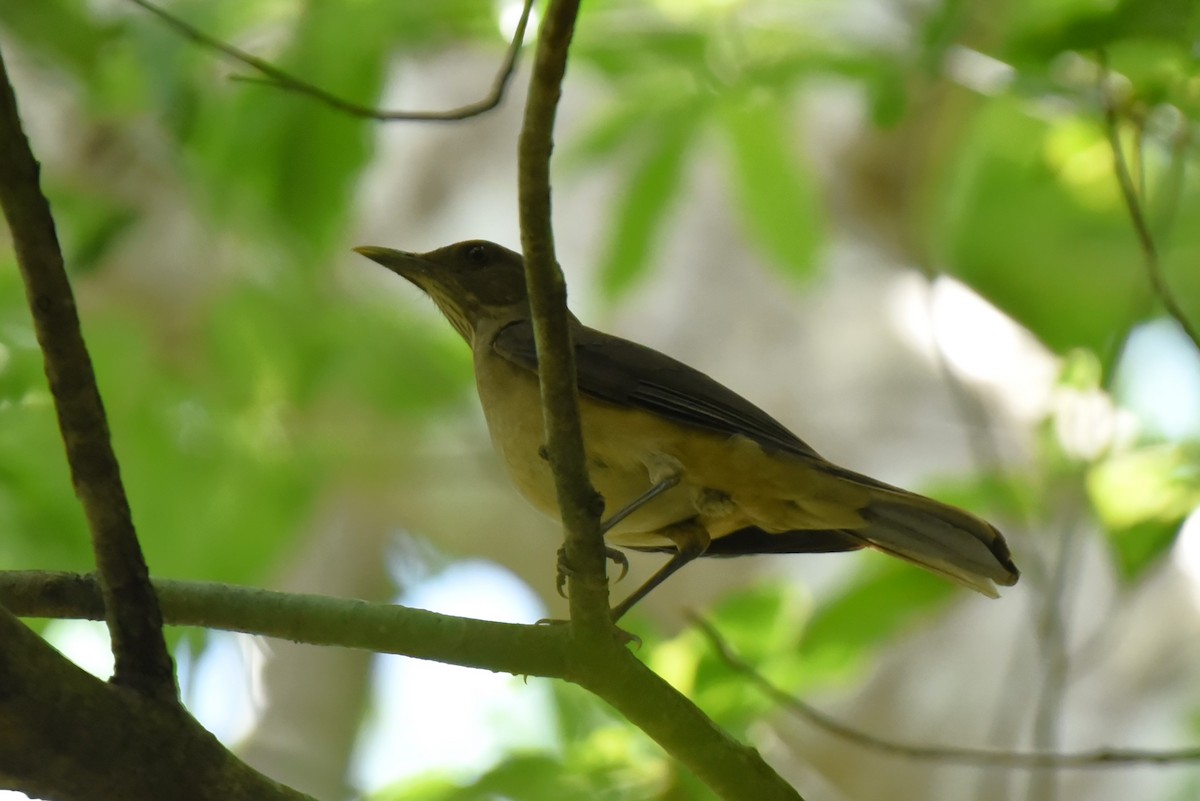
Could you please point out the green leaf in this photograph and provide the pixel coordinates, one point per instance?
(887, 91)
(1030, 217)
(1043, 29)
(776, 197)
(647, 201)
(279, 163)
(89, 225)
(1158, 483)
(64, 32)
(890, 596)
(43, 524)
(762, 620)
(1139, 547)
(762, 625)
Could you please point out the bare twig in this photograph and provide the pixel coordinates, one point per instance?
(982, 439)
(1052, 636)
(579, 504)
(273, 76)
(982, 757)
(1137, 215)
(134, 620)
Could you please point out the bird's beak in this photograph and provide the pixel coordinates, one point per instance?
(412, 266)
(396, 260)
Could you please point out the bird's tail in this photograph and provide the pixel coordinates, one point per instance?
(939, 538)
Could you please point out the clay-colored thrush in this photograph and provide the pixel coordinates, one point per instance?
(692, 468)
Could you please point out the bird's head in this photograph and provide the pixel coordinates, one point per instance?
(471, 282)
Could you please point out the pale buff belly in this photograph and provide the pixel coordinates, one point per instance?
(727, 483)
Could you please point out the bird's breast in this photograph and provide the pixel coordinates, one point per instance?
(624, 446)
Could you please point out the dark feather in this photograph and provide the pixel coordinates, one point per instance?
(628, 374)
(753, 540)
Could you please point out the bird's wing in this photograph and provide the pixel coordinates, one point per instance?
(628, 374)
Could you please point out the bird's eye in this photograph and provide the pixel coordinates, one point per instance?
(476, 254)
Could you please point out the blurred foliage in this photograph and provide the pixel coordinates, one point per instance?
(233, 412)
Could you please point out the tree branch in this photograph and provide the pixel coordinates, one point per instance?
(578, 502)
(1137, 215)
(599, 660)
(134, 621)
(288, 82)
(987, 758)
(733, 770)
(313, 619)
(66, 734)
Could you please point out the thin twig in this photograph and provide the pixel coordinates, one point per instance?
(134, 621)
(274, 76)
(1139, 155)
(579, 504)
(988, 758)
(1137, 216)
(1052, 637)
(982, 440)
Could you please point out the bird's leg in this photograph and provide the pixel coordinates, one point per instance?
(691, 540)
(665, 472)
(639, 502)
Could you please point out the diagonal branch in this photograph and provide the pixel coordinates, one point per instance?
(1137, 214)
(66, 735)
(134, 621)
(577, 499)
(982, 757)
(273, 76)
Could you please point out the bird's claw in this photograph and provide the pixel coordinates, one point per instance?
(620, 560)
(565, 570)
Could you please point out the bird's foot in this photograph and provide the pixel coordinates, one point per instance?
(622, 636)
(565, 570)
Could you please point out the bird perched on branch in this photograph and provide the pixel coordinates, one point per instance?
(692, 468)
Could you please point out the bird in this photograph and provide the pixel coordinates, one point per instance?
(692, 468)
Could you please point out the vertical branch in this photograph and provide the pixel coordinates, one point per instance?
(1053, 637)
(134, 620)
(579, 504)
(1137, 214)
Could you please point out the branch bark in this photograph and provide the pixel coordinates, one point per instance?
(134, 621)
(66, 734)
(578, 502)
(313, 619)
